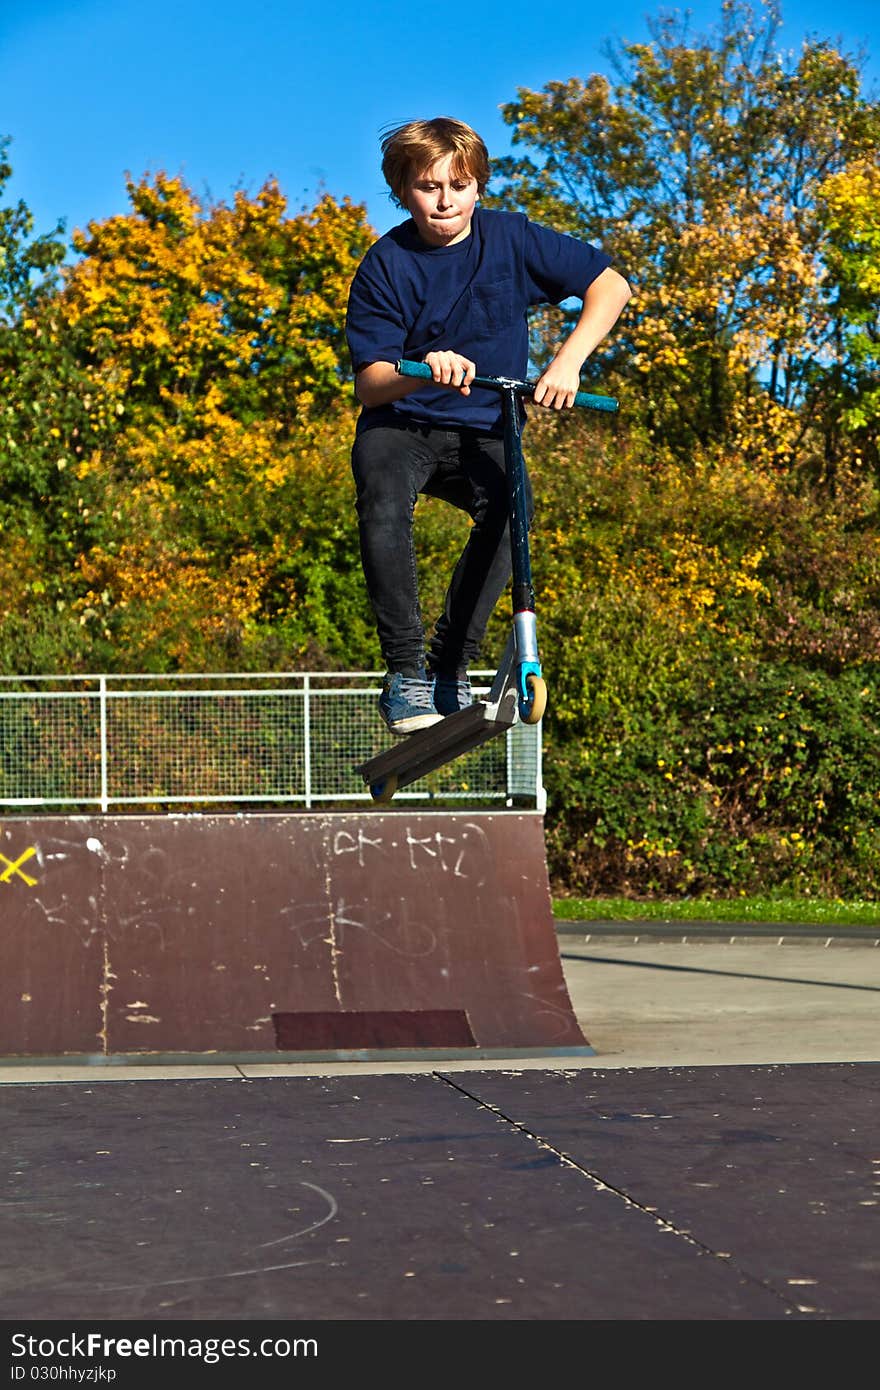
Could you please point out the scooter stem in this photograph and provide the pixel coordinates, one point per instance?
(522, 591)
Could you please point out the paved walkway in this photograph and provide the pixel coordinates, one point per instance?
(701, 997)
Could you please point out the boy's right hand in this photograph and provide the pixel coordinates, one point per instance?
(451, 369)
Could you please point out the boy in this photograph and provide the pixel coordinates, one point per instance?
(451, 286)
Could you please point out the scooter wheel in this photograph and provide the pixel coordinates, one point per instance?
(537, 686)
(382, 792)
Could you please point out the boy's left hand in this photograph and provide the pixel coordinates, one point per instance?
(557, 387)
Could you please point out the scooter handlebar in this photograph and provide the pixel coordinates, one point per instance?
(501, 383)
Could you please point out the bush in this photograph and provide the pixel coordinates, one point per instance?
(710, 642)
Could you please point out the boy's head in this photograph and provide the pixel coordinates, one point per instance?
(412, 149)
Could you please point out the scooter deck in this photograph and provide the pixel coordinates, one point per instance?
(423, 752)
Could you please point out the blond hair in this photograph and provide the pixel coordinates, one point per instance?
(409, 150)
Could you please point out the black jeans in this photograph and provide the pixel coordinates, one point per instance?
(392, 464)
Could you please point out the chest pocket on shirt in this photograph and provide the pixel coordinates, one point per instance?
(492, 308)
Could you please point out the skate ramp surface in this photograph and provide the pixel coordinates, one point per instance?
(304, 934)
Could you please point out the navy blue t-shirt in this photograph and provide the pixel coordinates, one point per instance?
(409, 298)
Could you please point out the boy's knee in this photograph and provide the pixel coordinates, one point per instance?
(384, 515)
(384, 495)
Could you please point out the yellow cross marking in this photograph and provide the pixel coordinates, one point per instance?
(15, 868)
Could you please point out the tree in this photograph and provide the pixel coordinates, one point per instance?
(226, 534)
(700, 170)
(174, 431)
(850, 205)
(190, 311)
(51, 417)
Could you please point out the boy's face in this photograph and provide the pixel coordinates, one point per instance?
(441, 204)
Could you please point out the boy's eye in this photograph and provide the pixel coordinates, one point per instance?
(458, 184)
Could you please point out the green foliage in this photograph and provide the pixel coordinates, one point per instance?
(850, 207)
(236, 551)
(52, 416)
(758, 908)
(756, 776)
(712, 650)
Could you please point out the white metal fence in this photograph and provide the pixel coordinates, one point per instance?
(228, 739)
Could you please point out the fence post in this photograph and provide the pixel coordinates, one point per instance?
(307, 738)
(540, 790)
(102, 705)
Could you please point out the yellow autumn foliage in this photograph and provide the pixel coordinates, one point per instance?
(190, 310)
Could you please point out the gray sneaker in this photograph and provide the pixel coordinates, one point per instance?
(452, 693)
(407, 703)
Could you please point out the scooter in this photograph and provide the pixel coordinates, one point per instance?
(519, 690)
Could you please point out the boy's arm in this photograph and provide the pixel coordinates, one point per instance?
(379, 384)
(603, 304)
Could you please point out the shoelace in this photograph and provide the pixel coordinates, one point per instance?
(417, 692)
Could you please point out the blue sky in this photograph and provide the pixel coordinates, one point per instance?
(227, 93)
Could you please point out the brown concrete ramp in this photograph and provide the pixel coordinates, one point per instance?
(338, 934)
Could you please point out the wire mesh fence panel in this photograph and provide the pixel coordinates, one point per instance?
(50, 747)
(342, 734)
(214, 744)
(226, 738)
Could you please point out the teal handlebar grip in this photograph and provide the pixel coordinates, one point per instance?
(404, 368)
(591, 402)
(500, 383)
